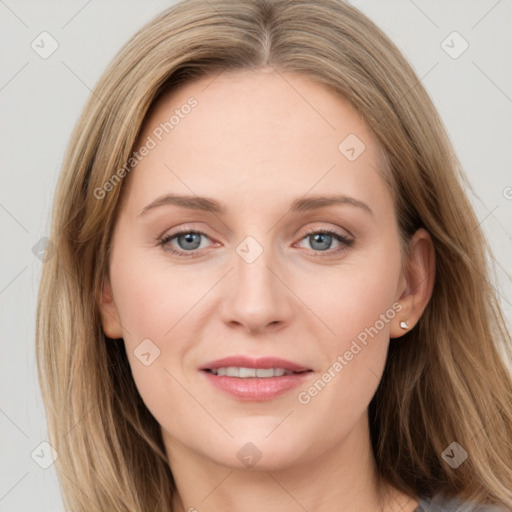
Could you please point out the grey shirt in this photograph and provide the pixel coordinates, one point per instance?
(439, 504)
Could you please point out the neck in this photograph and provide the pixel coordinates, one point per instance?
(345, 478)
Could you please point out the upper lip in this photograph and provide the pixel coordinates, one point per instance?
(251, 362)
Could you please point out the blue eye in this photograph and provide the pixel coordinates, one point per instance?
(323, 239)
(189, 241)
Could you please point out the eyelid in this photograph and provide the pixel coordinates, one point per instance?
(183, 228)
(324, 229)
(310, 230)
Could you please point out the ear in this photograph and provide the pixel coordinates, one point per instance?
(108, 312)
(416, 283)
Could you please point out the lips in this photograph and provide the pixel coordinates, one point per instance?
(248, 362)
(254, 379)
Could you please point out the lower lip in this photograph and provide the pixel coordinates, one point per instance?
(256, 388)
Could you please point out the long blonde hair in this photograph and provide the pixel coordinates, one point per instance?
(445, 381)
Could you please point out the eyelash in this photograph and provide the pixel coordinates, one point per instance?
(344, 241)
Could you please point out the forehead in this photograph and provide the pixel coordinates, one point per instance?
(252, 132)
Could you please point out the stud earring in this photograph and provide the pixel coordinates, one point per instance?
(403, 325)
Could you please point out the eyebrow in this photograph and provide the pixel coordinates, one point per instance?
(211, 205)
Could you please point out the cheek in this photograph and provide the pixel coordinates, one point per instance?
(358, 304)
(158, 304)
(152, 299)
(351, 299)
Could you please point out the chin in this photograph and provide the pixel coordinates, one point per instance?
(258, 452)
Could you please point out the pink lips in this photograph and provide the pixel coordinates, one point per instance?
(255, 389)
(249, 362)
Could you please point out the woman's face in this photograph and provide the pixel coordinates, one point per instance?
(267, 271)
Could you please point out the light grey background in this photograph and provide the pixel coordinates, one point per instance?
(40, 101)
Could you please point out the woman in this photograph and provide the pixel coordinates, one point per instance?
(330, 338)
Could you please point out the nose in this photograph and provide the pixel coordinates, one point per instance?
(256, 295)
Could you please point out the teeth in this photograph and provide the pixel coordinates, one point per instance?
(248, 373)
(231, 371)
(269, 372)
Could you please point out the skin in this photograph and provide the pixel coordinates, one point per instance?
(255, 142)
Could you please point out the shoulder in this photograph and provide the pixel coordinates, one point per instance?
(440, 504)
